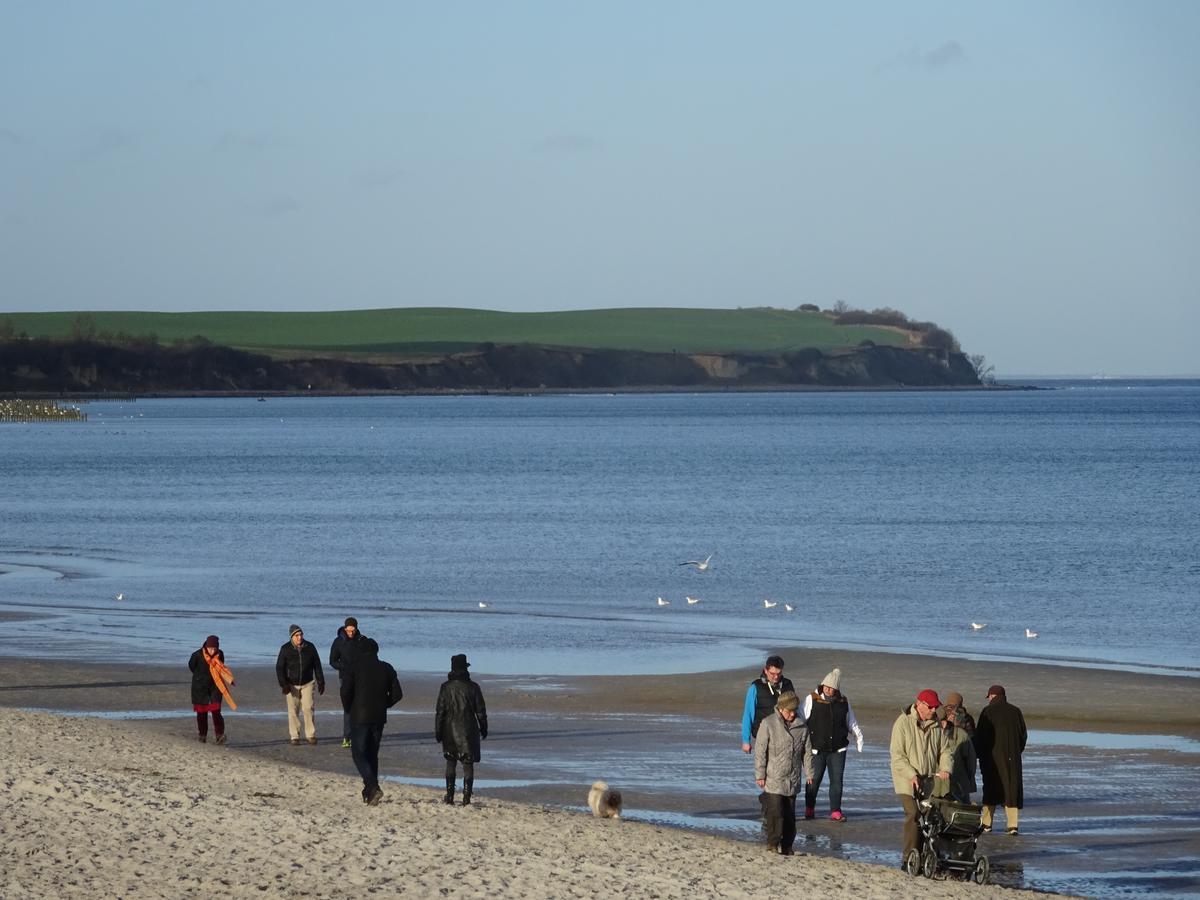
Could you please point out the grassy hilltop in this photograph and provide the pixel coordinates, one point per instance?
(411, 332)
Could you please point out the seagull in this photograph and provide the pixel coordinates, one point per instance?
(120, 596)
(692, 601)
(482, 605)
(662, 602)
(789, 607)
(978, 626)
(1030, 633)
(700, 566)
(770, 604)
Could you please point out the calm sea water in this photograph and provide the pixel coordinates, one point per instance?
(886, 520)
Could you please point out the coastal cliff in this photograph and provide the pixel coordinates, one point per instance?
(44, 366)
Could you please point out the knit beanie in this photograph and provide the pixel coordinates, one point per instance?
(833, 679)
(292, 629)
(212, 641)
(788, 700)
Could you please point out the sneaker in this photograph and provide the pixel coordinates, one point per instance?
(837, 816)
(345, 743)
(295, 742)
(312, 740)
(220, 738)
(987, 829)
(376, 796)
(810, 812)
(1012, 830)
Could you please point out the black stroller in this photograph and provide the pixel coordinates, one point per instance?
(949, 834)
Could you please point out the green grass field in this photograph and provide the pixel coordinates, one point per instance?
(436, 331)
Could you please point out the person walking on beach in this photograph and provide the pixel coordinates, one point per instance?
(342, 656)
(298, 669)
(830, 723)
(957, 729)
(371, 688)
(918, 752)
(460, 723)
(761, 697)
(210, 682)
(999, 742)
(781, 763)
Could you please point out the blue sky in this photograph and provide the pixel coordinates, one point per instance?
(1025, 174)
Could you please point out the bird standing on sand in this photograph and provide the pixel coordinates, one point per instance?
(978, 626)
(700, 566)
(692, 601)
(482, 605)
(789, 607)
(770, 604)
(662, 602)
(1030, 633)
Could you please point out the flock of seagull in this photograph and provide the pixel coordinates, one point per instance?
(979, 626)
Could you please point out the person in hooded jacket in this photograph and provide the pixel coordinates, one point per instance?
(460, 723)
(342, 655)
(781, 764)
(830, 721)
(209, 679)
(371, 688)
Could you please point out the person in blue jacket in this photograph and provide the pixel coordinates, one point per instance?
(761, 697)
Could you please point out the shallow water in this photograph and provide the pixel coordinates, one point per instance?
(886, 520)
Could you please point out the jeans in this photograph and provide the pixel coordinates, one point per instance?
(836, 764)
(364, 747)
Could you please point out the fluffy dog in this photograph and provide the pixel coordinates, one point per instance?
(604, 802)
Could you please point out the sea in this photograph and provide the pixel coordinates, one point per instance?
(538, 533)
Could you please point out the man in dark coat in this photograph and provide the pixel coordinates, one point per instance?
(370, 689)
(298, 669)
(999, 742)
(459, 725)
(342, 656)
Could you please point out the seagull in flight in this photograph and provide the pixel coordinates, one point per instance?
(692, 601)
(1030, 633)
(700, 566)
(789, 607)
(120, 596)
(662, 602)
(770, 604)
(978, 626)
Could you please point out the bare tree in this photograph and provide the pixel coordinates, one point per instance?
(983, 371)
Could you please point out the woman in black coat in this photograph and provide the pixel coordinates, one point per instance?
(209, 679)
(460, 724)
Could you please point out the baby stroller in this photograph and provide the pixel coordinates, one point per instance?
(949, 833)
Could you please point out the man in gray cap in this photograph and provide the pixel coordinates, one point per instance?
(298, 669)
(999, 742)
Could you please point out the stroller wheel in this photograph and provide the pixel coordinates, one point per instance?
(912, 863)
(982, 869)
(928, 863)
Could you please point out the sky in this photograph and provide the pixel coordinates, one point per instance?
(1026, 174)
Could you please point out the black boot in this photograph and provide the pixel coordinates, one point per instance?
(449, 798)
(467, 785)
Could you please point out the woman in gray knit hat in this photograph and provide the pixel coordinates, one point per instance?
(830, 723)
(781, 765)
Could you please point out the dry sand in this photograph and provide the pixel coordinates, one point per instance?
(91, 808)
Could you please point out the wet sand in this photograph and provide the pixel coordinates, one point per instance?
(1104, 813)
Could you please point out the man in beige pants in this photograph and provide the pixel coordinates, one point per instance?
(297, 669)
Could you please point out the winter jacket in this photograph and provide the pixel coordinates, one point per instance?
(781, 756)
(204, 690)
(370, 688)
(830, 722)
(344, 651)
(917, 749)
(761, 697)
(962, 766)
(999, 742)
(461, 719)
(299, 665)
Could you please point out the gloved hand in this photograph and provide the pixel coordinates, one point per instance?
(286, 690)
(320, 689)
(483, 734)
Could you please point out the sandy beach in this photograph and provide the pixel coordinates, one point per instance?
(107, 791)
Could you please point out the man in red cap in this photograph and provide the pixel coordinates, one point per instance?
(919, 751)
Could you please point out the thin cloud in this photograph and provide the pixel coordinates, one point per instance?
(247, 142)
(945, 55)
(103, 144)
(8, 136)
(281, 205)
(569, 144)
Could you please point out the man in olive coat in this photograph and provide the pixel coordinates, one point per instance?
(999, 742)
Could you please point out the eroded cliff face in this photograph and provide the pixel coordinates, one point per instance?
(81, 366)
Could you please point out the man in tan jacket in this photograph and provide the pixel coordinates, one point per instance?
(919, 751)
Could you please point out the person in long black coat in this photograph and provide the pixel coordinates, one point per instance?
(1000, 740)
(369, 689)
(460, 724)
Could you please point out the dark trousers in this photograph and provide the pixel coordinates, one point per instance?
(218, 723)
(780, 812)
(346, 724)
(364, 747)
(468, 772)
(836, 764)
(911, 830)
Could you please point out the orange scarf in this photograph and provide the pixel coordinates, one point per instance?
(220, 674)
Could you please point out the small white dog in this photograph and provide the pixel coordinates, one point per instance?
(604, 802)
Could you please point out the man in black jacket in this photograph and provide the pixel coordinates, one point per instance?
(342, 656)
(370, 688)
(297, 669)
